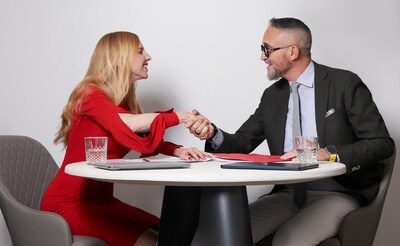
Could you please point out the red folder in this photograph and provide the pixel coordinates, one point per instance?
(248, 157)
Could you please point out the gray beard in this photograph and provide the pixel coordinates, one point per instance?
(277, 74)
(273, 76)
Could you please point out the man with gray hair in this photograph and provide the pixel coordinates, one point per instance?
(335, 106)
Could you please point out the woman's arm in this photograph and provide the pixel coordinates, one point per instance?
(140, 123)
(123, 125)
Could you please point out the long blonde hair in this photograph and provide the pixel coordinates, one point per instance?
(109, 70)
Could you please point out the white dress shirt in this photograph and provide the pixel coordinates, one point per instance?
(307, 108)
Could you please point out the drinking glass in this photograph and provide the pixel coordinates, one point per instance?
(96, 149)
(306, 149)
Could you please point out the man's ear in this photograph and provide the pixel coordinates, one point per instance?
(294, 52)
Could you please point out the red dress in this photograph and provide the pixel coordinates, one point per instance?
(88, 205)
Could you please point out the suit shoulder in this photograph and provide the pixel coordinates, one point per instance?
(337, 75)
(337, 72)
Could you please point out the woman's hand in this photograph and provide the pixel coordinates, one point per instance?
(190, 153)
(185, 117)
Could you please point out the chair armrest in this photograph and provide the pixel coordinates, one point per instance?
(359, 227)
(32, 227)
(352, 233)
(5, 238)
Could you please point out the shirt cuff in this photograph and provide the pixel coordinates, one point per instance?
(216, 142)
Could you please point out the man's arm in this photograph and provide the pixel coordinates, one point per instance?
(245, 140)
(357, 129)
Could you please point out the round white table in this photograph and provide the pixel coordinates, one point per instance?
(224, 212)
(205, 174)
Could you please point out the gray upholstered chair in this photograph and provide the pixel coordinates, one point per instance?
(358, 228)
(26, 169)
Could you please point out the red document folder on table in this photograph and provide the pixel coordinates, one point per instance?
(248, 157)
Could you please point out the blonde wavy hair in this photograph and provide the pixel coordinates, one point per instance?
(109, 70)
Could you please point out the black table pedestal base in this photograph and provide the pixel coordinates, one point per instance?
(201, 216)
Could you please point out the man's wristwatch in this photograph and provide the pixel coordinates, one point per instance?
(331, 149)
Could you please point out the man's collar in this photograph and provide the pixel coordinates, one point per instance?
(307, 77)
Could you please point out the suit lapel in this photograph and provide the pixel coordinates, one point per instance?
(321, 100)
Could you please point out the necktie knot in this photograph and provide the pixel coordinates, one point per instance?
(295, 86)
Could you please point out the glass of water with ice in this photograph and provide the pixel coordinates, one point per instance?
(306, 148)
(96, 149)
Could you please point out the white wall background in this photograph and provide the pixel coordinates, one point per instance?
(205, 56)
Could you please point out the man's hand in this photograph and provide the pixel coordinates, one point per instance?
(322, 155)
(200, 127)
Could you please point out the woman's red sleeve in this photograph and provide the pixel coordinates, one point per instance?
(167, 148)
(99, 107)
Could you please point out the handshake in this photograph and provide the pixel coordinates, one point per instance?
(198, 124)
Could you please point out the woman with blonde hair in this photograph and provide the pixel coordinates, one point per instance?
(104, 103)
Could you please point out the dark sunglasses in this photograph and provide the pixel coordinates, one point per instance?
(267, 50)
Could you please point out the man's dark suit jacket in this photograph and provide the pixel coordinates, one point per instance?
(356, 128)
